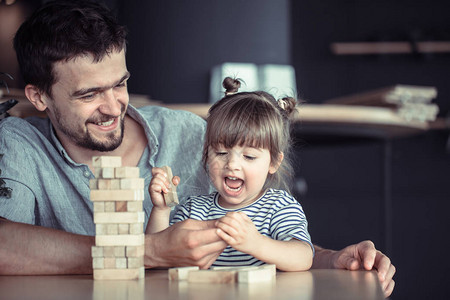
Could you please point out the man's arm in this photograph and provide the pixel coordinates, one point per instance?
(363, 255)
(34, 250)
(186, 243)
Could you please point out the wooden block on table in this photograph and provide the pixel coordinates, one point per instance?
(181, 273)
(117, 195)
(119, 240)
(171, 198)
(110, 263)
(119, 274)
(131, 183)
(107, 161)
(262, 273)
(135, 262)
(212, 276)
(135, 251)
(98, 263)
(127, 172)
(119, 217)
(121, 262)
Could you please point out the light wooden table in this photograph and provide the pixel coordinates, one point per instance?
(314, 284)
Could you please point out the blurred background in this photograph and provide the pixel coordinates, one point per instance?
(353, 184)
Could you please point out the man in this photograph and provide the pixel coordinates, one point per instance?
(72, 57)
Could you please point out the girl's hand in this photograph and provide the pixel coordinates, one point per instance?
(160, 185)
(237, 230)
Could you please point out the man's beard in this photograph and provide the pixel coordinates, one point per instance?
(83, 138)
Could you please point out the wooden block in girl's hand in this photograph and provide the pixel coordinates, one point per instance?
(171, 197)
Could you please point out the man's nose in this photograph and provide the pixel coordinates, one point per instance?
(111, 104)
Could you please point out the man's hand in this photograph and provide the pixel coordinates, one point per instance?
(238, 230)
(363, 255)
(186, 243)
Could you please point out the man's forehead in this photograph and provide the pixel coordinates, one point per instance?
(85, 68)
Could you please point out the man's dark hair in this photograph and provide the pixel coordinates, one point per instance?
(60, 31)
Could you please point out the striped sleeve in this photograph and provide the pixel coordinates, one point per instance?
(290, 222)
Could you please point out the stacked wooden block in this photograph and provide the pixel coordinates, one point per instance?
(244, 274)
(117, 194)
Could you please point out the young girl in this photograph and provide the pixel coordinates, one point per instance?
(245, 153)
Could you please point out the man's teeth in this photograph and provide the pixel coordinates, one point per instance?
(105, 123)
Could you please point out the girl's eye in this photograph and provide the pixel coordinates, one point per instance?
(221, 153)
(248, 157)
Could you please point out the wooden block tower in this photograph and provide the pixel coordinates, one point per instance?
(117, 193)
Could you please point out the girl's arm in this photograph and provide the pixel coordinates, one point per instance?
(238, 231)
(160, 215)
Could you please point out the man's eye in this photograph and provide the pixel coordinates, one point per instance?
(221, 153)
(122, 84)
(88, 97)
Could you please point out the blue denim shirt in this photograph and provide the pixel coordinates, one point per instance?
(49, 189)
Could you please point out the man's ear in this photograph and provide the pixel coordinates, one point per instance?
(36, 97)
(275, 165)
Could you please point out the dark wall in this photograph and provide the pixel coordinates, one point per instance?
(173, 46)
(347, 184)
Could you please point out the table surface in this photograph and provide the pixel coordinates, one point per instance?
(314, 284)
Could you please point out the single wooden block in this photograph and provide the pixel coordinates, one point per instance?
(110, 263)
(121, 206)
(110, 206)
(107, 172)
(135, 251)
(117, 195)
(121, 262)
(97, 251)
(112, 229)
(108, 184)
(119, 217)
(119, 240)
(119, 251)
(262, 273)
(136, 228)
(132, 183)
(127, 172)
(101, 229)
(119, 274)
(93, 184)
(98, 263)
(171, 198)
(108, 251)
(99, 206)
(135, 262)
(107, 161)
(124, 228)
(212, 276)
(181, 273)
(135, 206)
